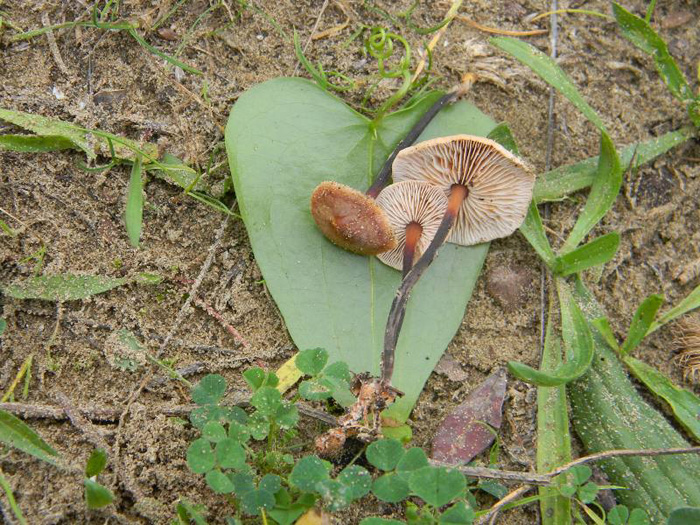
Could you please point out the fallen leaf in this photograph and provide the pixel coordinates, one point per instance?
(463, 434)
(450, 367)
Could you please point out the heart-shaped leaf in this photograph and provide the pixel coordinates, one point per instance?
(283, 138)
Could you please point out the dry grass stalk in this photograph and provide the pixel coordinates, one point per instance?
(687, 344)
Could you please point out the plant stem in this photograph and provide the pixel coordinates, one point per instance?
(385, 173)
(413, 233)
(398, 306)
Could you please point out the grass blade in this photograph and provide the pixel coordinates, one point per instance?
(65, 287)
(533, 230)
(579, 347)
(639, 32)
(598, 251)
(550, 72)
(172, 60)
(605, 330)
(44, 126)
(504, 137)
(133, 215)
(690, 302)
(643, 318)
(17, 434)
(97, 496)
(602, 196)
(555, 185)
(34, 144)
(11, 500)
(684, 404)
(553, 437)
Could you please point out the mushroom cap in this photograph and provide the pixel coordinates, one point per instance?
(350, 219)
(406, 202)
(499, 183)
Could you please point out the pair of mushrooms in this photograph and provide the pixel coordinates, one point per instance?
(478, 189)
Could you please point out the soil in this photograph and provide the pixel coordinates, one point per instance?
(105, 80)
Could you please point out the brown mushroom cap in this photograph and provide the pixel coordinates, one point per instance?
(499, 183)
(407, 202)
(351, 219)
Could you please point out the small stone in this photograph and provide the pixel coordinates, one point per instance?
(508, 285)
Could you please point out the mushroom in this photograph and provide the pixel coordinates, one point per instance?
(489, 190)
(349, 218)
(414, 211)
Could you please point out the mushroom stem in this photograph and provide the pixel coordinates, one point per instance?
(385, 173)
(458, 193)
(413, 233)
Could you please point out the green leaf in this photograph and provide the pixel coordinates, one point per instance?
(684, 404)
(133, 216)
(271, 483)
(588, 492)
(34, 144)
(64, 287)
(209, 390)
(96, 463)
(391, 488)
(385, 454)
(255, 377)
(618, 515)
(11, 500)
(314, 390)
(504, 137)
(357, 480)
(3, 326)
(242, 482)
(230, 454)
(287, 416)
(239, 431)
(555, 185)
(601, 198)
(15, 433)
(187, 512)
(308, 471)
(413, 459)
(52, 128)
(214, 431)
(580, 474)
(598, 251)
(553, 435)
(579, 344)
(643, 318)
(549, 71)
(97, 496)
(375, 520)
(259, 426)
(690, 302)
(219, 482)
(200, 456)
(640, 33)
(336, 495)
(283, 138)
(684, 516)
(437, 486)
(312, 361)
(605, 330)
(457, 514)
(638, 517)
(267, 400)
(533, 230)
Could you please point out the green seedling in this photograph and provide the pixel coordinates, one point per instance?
(96, 495)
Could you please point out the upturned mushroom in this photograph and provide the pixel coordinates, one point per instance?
(488, 193)
(414, 211)
(350, 218)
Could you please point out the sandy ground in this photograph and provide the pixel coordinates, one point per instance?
(103, 79)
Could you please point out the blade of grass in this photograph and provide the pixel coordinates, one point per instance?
(577, 339)
(602, 196)
(643, 318)
(171, 60)
(690, 302)
(603, 326)
(598, 251)
(133, 215)
(555, 185)
(34, 144)
(550, 72)
(11, 500)
(64, 287)
(533, 230)
(639, 32)
(684, 404)
(15, 433)
(553, 437)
